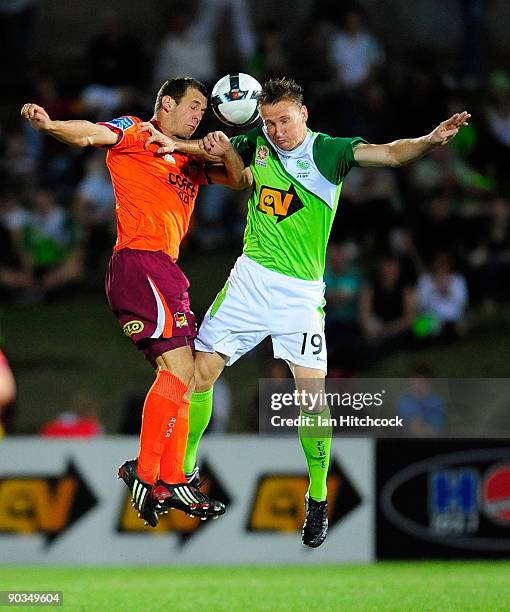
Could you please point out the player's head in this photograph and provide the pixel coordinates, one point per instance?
(180, 106)
(283, 112)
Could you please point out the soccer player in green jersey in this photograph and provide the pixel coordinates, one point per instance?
(276, 288)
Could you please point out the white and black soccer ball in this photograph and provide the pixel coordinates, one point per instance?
(234, 99)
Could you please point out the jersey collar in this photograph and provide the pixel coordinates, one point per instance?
(297, 152)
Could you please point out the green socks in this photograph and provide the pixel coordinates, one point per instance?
(316, 443)
(200, 410)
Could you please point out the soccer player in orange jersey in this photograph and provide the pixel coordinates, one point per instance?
(155, 195)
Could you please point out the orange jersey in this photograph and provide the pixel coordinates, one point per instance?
(154, 195)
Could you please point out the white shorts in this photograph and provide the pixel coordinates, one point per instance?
(255, 303)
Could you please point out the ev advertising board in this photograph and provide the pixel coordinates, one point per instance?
(443, 499)
(61, 503)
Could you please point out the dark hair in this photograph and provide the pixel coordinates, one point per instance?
(177, 88)
(276, 90)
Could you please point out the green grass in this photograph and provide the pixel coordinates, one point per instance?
(421, 586)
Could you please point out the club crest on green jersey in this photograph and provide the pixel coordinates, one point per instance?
(261, 156)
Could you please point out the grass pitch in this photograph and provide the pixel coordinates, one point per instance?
(421, 586)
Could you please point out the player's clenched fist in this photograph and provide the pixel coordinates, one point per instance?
(217, 143)
(38, 117)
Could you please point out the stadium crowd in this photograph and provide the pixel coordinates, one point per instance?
(412, 249)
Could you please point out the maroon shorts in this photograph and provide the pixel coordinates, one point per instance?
(147, 292)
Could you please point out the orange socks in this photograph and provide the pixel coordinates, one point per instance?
(159, 423)
(172, 459)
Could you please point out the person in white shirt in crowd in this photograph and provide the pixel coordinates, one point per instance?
(354, 51)
(443, 295)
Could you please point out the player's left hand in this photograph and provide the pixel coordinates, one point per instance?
(217, 143)
(156, 137)
(446, 130)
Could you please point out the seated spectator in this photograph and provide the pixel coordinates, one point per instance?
(93, 207)
(497, 118)
(489, 260)
(115, 57)
(15, 276)
(49, 234)
(422, 410)
(271, 56)
(438, 228)
(387, 306)
(367, 202)
(81, 421)
(443, 296)
(343, 286)
(354, 51)
(189, 46)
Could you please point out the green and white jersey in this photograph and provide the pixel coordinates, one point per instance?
(294, 200)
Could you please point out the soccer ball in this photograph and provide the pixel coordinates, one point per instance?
(234, 99)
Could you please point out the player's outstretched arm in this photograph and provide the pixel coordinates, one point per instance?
(401, 152)
(77, 133)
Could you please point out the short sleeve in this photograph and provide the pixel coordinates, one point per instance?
(334, 157)
(127, 134)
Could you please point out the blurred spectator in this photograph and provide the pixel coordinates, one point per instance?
(93, 207)
(82, 421)
(422, 410)
(343, 286)
(7, 394)
(17, 165)
(354, 51)
(438, 228)
(443, 296)
(271, 55)
(115, 57)
(15, 276)
(189, 46)
(497, 116)
(387, 306)
(421, 101)
(490, 259)
(14, 217)
(368, 206)
(49, 233)
(16, 17)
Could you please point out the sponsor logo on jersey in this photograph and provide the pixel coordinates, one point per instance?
(133, 327)
(122, 123)
(187, 189)
(279, 203)
(262, 153)
(180, 319)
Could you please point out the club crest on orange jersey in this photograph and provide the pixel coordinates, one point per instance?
(180, 319)
(132, 327)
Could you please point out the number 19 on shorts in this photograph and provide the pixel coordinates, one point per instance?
(313, 344)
